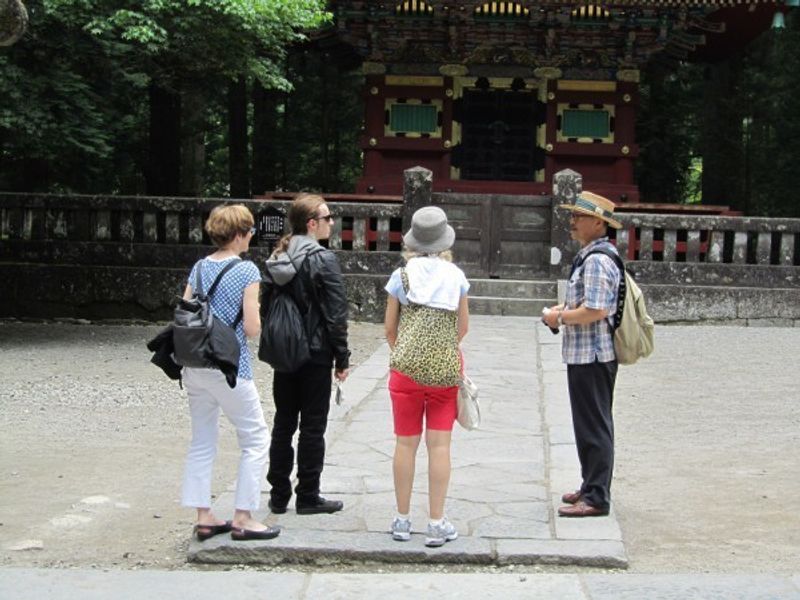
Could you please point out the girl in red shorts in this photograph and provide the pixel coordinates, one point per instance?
(426, 318)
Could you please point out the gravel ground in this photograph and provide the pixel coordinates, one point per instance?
(92, 444)
(707, 436)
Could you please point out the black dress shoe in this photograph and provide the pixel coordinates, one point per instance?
(203, 532)
(319, 506)
(276, 508)
(241, 535)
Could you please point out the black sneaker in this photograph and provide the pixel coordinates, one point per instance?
(319, 506)
(276, 508)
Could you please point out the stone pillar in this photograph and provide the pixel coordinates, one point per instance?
(567, 184)
(417, 188)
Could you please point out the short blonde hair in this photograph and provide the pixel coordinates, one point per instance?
(444, 255)
(227, 221)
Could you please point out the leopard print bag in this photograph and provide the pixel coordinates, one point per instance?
(426, 349)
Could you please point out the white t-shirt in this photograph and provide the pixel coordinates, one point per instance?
(433, 282)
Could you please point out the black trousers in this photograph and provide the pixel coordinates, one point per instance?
(303, 396)
(591, 395)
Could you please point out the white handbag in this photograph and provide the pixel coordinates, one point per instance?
(469, 410)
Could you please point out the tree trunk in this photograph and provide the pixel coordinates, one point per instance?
(238, 162)
(285, 127)
(193, 144)
(325, 126)
(163, 171)
(265, 129)
(721, 138)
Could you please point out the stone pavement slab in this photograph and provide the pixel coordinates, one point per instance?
(506, 482)
(89, 584)
(691, 587)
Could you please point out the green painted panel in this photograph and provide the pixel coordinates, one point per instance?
(585, 123)
(416, 118)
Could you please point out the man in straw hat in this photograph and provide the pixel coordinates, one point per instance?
(588, 350)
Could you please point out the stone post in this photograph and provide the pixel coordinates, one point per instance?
(567, 184)
(417, 188)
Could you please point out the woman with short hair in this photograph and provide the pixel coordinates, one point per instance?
(235, 302)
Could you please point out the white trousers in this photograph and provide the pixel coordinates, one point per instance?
(208, 393)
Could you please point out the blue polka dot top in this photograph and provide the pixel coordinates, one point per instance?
(227, 298)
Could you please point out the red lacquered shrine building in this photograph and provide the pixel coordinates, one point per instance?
(497, 97)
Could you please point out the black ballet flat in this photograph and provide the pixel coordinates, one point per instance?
(203, 532)
(241, 535)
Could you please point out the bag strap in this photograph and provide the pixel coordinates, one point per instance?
(404, 280)
(623, 286)
(213, 288)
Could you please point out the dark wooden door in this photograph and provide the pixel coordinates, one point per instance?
(500, 236)
(498, 135)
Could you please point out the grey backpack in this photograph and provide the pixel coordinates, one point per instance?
(201, 339)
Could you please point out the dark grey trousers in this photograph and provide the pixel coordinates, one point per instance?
(591, 395)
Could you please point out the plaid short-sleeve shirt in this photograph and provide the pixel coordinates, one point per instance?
(594, 284)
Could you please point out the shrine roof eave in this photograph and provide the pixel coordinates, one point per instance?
(742, 25)
(380, 8)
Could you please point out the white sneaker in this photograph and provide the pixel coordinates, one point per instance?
(439, 534)
(401, 529)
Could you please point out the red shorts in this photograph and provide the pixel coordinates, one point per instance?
(410, 401)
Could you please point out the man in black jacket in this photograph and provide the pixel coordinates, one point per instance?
(316, 280)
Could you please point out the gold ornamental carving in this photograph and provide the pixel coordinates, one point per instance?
(453, 70)
(373, 68)
(629, 75)
(547, 73)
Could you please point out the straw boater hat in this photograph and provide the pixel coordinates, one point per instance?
(591, 204)
(429, 231)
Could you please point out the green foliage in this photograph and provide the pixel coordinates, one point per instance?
(733, 127)
(74, 111)
(320, 123)
(770, 88)
(667, 130)
(61, 112)
(186, 39)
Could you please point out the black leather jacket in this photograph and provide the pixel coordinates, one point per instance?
(320, 292)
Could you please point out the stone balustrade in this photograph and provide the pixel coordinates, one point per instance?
(709, 239)
(127, 257)
(172, 221)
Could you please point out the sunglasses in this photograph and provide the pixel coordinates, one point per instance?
(328, 218)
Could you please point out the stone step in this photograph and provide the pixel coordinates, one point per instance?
(513, 288)
(516, 307)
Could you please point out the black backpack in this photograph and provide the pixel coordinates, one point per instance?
(201, 339)
(285, 339)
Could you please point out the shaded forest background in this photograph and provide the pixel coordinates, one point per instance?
(218, 98)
